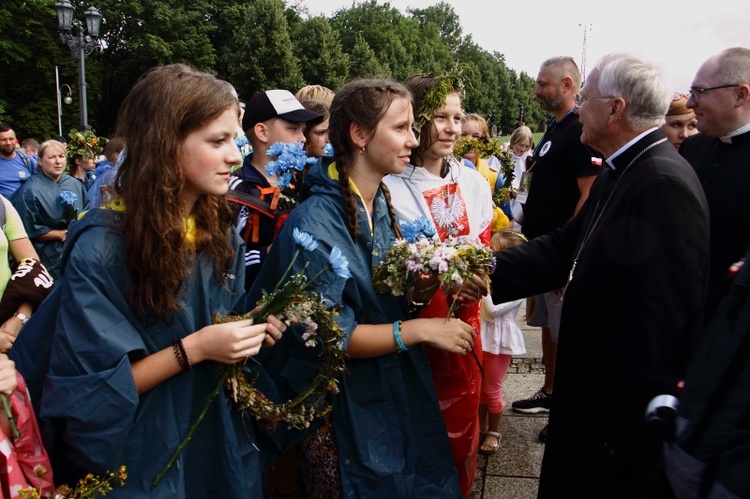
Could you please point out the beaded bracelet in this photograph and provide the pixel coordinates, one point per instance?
(397, 336)
(178, 355)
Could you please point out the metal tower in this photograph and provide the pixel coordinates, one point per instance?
(586, 29)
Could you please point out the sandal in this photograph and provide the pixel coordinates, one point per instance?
(492, 447)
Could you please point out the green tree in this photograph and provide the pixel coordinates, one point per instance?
(319, 50)
(385, 30)
(29, 50)
(141, 35)
(445, 19)
(489, 89)
(364, 62)
(258, 56)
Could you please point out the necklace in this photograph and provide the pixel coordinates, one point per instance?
(597, 216)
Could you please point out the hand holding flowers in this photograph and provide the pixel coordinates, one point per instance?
(420, 255)
(291, 301)
(68, 200)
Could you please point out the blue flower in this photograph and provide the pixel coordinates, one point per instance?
(328, 150)
(305, 240)
(425, 226)
(67, 197)
(241, 141)
(284, 180)
(339, 263)
(408, 232)
(411, 231)
(288, 157)
(276, 149)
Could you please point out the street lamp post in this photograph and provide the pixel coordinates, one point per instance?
(80, 44)
(60, 99)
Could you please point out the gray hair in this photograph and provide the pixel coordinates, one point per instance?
(642, 84)
(733, 66)
(565, 66)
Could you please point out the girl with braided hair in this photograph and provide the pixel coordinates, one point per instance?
(385, 436)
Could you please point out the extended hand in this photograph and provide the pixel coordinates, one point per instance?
(471, 290)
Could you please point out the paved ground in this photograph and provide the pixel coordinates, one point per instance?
(513, 472)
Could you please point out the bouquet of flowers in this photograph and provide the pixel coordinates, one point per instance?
(290, 166)
(293, 301)
(68, 200)
(421, 254)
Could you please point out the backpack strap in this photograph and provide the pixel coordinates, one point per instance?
(3, 215)
(26, 161)
(257, 207)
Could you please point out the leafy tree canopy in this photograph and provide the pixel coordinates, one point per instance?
(255, 45)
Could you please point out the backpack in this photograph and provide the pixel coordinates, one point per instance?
(260, 212)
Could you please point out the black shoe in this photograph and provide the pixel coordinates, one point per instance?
(543, 433)
(541, 401)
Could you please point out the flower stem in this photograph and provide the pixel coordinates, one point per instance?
(287, 271)
(190, 433)
(9, 414)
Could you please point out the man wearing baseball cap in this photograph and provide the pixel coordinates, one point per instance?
(271, 116)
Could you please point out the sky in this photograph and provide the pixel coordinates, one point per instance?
(678, 35)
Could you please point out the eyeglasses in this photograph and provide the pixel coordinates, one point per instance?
(580, 98)
(697, 92)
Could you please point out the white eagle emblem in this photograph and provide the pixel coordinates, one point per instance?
(448, 212)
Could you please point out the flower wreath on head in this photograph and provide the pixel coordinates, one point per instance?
(443, 84)
(84, 144)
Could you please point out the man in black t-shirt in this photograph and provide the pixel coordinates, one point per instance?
(562, 171)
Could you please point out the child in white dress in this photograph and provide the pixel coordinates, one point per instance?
(501, 339)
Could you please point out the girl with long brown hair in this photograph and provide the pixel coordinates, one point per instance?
(134, 352)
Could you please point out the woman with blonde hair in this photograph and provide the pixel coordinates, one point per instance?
(48, 202)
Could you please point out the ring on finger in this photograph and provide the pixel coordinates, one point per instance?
(247, 354)
(464, 344)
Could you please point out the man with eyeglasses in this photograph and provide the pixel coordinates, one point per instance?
(720, 154)
(632, 264)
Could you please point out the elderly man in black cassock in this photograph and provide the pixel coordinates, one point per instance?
(633, 262)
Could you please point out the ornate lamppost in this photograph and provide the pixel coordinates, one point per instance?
(60, 99)
(80, 44)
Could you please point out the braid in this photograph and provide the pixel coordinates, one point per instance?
(350, 205)
(391, 211)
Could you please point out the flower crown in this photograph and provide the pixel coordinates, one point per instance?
(444, 84)
(85, 144)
